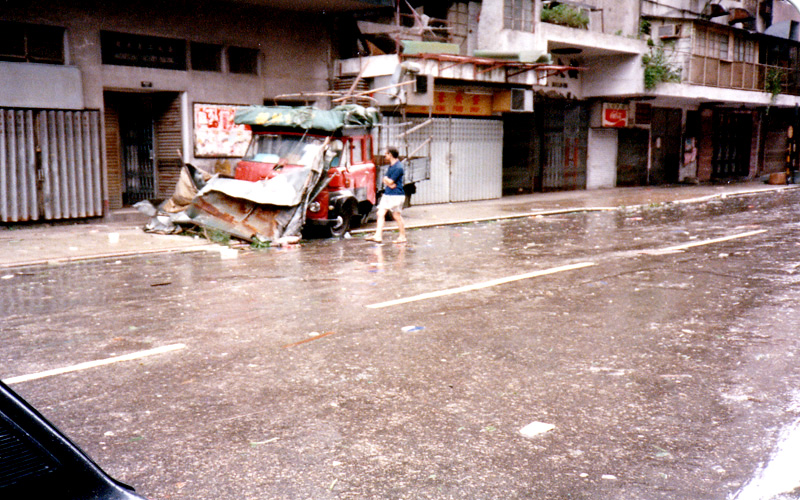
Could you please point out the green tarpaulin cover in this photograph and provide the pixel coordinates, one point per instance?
(308, 117)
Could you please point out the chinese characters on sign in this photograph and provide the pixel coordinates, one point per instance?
(462, 103)
(215, 134)
(615, 115)
(144, 51)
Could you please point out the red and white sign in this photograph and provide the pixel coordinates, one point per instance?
(215, 134)
(615, 115)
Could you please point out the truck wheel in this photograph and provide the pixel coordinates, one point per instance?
(341, 226)
(343, 220)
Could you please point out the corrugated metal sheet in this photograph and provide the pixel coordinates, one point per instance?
(466, 157)
(168, 142)
(476, 153)
(49, 165)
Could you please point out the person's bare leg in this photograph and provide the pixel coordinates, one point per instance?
(401, 226)
(378, 236)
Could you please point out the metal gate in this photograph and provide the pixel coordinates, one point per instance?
(466, 158)
(732, 137)
(50, 166)
(138, 159)
(565, 135)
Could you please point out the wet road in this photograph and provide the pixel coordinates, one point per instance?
(661, 344)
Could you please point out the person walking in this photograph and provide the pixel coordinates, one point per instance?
(393, 199)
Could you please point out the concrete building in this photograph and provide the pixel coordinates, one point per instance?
(102, 101)
(657, 91)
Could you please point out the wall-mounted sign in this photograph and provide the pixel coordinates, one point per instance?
(215, 134)
(462, 103)
(457, 102)
(124, 49)
(615, 115)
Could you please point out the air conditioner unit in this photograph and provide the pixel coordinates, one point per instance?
(420, 93)
(669, 31)
(521, 100)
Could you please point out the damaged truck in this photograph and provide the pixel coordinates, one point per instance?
(306, 170)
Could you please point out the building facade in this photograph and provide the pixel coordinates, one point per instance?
(101, 102)
(635, 93)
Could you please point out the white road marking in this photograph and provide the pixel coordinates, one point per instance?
(94, 364)
(779, 475)
(478, 286)
(678, 248)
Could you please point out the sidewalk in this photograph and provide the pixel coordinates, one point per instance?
(65, 242)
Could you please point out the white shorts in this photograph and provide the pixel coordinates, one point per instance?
(392, 202)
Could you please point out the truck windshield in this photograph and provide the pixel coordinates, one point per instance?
(292, 149)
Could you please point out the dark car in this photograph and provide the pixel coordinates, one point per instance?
(38, 461)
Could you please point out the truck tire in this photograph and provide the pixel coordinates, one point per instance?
(341, 226)
(343, 220)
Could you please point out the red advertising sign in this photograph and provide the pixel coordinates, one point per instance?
(615, 115)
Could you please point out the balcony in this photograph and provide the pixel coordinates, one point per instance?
(735, 60)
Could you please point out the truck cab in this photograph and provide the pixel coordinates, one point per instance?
(349, 191)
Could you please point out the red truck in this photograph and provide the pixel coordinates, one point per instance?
(305, 168)
(286, 139)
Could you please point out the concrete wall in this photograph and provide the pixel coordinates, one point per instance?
(33, 85)
(601, 163)
(613, 75)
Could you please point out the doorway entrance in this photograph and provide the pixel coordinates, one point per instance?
(143, 134)
(666, 146)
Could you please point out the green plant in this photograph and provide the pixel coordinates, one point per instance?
(774, 81)
(644, 27)
(657, 68)
(217, 236)
(259, 244)
(566, 16)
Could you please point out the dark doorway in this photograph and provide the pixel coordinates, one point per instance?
(732, 137)
(143, 139)
(632, 157)
(519, 146)
(666, 146)
(564, 133)
(136, 134)
(130, 148)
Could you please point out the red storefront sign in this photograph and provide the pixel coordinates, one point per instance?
(615, 115)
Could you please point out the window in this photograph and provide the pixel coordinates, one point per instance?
(31, 43)
(518, 15)
(357, 152)
(206, 57)
(700, 42)
(243, 61)
(744, 50)
(722, 40)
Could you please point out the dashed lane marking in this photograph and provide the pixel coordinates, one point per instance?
(478, 286)
(93, 364)
(678, 248)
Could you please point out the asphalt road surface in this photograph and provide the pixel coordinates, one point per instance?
(649, 353)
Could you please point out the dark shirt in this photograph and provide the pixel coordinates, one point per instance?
(395, 173)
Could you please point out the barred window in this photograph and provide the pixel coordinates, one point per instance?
(518, 15)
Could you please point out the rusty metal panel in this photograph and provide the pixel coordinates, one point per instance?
(50, 165)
